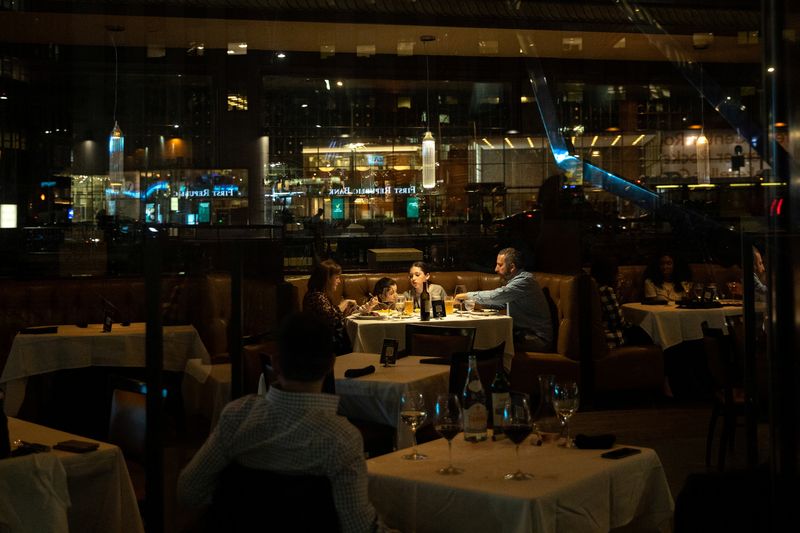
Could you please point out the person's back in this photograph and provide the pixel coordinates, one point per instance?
(294, 429)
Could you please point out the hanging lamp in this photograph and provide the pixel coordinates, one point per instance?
(428, 142)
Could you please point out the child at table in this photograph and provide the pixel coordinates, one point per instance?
(386, 292)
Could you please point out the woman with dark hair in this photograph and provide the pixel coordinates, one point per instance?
(618, 331)
(318, 301)
(667, 278)
(418, 274)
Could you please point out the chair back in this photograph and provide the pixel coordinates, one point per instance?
(438, 341)
(488, 361)
(242, 494)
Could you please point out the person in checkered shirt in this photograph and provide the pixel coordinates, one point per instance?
(293, 429)
(618, 331)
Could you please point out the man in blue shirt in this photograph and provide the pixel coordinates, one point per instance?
(524, 301)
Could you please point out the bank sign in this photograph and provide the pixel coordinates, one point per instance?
(373, 191)
(217, 191)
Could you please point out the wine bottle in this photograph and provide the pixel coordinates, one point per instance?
(474, 402)
(500, 390)
(424, 303)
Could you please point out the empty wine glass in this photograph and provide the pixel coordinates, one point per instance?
(460, 289)
(565, 401)
(448, 424)
(517, 425)
(469, 305)
(413, 413)
(697, 289)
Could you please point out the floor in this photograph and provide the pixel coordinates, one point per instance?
(677, 432)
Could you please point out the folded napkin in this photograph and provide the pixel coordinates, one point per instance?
(358, 372)
(436, 361)
(39, 330)
(595, 442)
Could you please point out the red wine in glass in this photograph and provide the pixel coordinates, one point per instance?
(518, 432)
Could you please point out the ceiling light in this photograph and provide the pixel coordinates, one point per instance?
(339, 83)
(281, 55)
(616, 140)
(508, 142)
(637, 140)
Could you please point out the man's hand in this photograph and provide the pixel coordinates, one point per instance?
(461, 296)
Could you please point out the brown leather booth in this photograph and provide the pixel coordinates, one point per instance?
(632, 288)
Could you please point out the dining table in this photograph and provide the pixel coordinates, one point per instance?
(367, 332)
(39, 351)
(571, 489)
(64, 491)
(375, 397)
(669, 324)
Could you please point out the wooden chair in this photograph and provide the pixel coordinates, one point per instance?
(242, 493)
(728, 393)
(438, 341)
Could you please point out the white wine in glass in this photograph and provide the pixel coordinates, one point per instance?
(413, 413)
(448, 424)
(565, 401)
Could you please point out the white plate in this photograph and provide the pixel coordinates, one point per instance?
(485, 312)
(368, 317)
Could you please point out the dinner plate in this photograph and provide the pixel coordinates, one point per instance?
(368, 317)
(485, 312)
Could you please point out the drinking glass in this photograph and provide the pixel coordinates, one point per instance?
(565, 401)
(517, 425)
(697, 289)
(460, 289)
(449, 305)
(469, 305)
(413, 413)
(400, 304)
(448, 424)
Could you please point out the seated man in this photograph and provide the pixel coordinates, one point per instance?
(294, 429)
(526, 304)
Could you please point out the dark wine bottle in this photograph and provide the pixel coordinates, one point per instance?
(500, 389)
(425, 303)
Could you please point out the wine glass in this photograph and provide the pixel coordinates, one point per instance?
(517, 425)
(413, 413)
(697, 289)
(469, 305)
(400, 304)
(565, 401)
(460, 289)
(448, 424)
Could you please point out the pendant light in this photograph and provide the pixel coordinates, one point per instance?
(116, 140)
(428, 143)
(701, 144)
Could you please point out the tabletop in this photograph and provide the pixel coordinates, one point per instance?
(99, 486)
(367, 334)
(376, 397)
(669, 325)
(75, 347)
(572, 489)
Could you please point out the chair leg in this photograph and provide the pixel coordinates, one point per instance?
(724, 439)
(712, 424)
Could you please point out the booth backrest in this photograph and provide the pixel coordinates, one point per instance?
(565, 291)
(357, 286)
(632, 289)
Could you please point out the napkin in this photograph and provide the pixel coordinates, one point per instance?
(39, 330)
(358, 372)
(436, 361)
(595, 442)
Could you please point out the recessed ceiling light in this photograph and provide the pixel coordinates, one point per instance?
(339, 83)
(281, 55)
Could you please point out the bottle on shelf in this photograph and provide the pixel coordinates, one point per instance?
(425, 303)
(500, 390)
(474, 405)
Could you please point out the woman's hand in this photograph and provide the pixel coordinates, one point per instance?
(347, 306)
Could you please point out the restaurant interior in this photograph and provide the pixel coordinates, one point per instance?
(171, 172)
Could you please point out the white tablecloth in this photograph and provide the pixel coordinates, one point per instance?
(206, 389)
(376, 397)
(572, 490)
(368, 335)
(669, 326)
(74, 347)
(98, 482)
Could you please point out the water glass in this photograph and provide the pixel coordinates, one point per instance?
(469, 305)
(565, 401)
